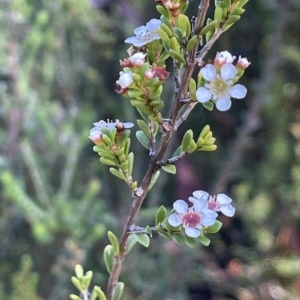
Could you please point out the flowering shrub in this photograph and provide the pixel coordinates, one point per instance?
(144, 73)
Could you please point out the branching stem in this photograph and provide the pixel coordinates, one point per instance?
(174, 121)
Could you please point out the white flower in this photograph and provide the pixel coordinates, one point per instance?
(145, 34)
(125, 80)
(110, 125)
(194, 218)
(219, 203)
(220, 87)
(137, 59)
(224, 57)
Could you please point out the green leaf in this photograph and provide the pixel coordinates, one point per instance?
(86, 280)
(130, 159)
(118, 291)
(100, 293)
(214, 228)
(209, 27)
(177, 151)
(117, 173)
(142, 138)
(165, 20)
(121, 140)
(143, 239)
(192, 147)
(237, 11)
(108, 255)
(218, 13)
(131, 241)
(75, 297)
(169, 169)
(186, 140)
(160, 215)
(191, 242)
(192, 85)
(114, 242)
(241, 3)
(232, 20)
(208, 105)
(178, 238)
(204, 240)
(153, 180)
(178, 33)
(175, 55)
(77, 283)
(134, 94)
(79, 271)
(192, 42)
(162, 11)
(108, 162)
(143, 114)
(163, 36)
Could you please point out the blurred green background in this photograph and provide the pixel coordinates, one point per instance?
(59, 61)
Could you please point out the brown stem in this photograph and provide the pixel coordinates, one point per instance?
(181, 93)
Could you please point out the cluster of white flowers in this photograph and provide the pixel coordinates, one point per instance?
(219, 85)
(201, 214)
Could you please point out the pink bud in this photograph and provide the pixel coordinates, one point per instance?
(149, 74)
(96, 136)
(223, 58)
(242, 63)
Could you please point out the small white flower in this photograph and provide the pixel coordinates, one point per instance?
(194, 218)
(220, 87)
(111, 125)
(137, 59)
(224, 57)
(145, 34)
(219, 203)
(125, 80)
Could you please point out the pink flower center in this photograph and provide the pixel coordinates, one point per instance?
(191, 220)
(213, 205)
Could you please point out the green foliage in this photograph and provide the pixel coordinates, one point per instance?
(25, 281)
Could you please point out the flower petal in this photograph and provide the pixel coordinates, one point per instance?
(153, 24)
(140, 29)
(238, 91)
(209, 218)
(228, 210)
(180, 206)
(200, 205)
(209, 72)
(203, 94)
(192, 232)
(228, 71)
(223, 104)
(174, 220)
(223, 199)
(201, 194)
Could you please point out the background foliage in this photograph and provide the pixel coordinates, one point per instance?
(58, 67)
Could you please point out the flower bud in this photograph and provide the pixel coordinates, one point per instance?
(96, 136)
(223, 58)
(137, 59)
(125, 80)
(242, 63)
(149, 74)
